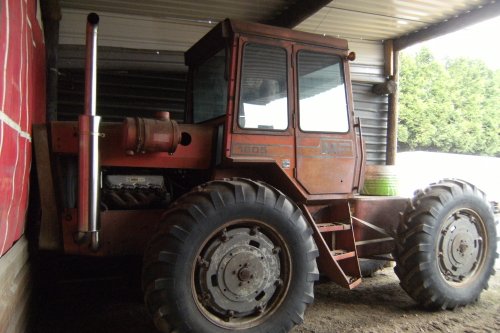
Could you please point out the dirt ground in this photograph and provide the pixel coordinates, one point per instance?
(380, 305)
(90, 297)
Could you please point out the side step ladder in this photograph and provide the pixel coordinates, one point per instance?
(338, 259)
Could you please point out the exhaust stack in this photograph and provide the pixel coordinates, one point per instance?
(89, 175)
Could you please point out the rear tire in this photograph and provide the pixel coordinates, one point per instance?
(230, 255)
(446, 245)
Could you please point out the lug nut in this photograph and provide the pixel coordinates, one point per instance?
(223, 236)
(202, 262)
(254, 231)
(205, 298)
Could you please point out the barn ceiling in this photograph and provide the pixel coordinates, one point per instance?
(353, 19)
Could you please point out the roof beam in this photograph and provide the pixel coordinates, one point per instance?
(297, 12)
(483, 13)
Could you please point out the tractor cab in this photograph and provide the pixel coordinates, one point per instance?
(282, 101)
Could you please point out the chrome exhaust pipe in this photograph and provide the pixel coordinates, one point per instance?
(89, 174)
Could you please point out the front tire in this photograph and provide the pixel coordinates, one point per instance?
(230, 255)
(446, 245)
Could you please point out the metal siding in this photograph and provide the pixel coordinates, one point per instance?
(176, 24)
(132, 31)
(123, 93)
(372, 111)
(186, 10)
(112, 58)
(130, 82)
(380, 20)
(367, 70)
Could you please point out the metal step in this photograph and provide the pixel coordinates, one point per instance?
(339, 254)
(336, 245)
(353, 282)
(332, 227)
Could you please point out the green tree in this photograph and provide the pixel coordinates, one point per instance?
(452, 107)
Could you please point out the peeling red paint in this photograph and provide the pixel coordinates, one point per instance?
(22, 103)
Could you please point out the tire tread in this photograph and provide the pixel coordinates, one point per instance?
(416, 235)
(182, 218)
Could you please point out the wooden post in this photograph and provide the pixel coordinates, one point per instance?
(50, 237)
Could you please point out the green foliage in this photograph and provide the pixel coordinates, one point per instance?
(452, 107)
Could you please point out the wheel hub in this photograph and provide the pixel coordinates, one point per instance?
(461, 246)
(242, 273)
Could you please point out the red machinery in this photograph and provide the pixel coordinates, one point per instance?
(238, 207)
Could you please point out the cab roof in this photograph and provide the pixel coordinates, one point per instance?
(226, 30)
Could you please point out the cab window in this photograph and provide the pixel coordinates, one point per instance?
(322, 93)
(263, 90)
(210, 88)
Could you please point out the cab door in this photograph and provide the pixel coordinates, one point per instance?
(326, 146)
(262, 129)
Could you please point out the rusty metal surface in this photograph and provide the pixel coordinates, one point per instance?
(279, 149)
(375, 221)
(327, 264)
(122, 232)
(196, 155)
(143, 135)
(325, 164)
(322, 166)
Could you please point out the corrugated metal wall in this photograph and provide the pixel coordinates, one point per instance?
(367, 70)
(123, 93)
(382, 20)
(130, 82)
(372, 111)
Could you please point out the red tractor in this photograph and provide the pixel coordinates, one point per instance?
(240, 208)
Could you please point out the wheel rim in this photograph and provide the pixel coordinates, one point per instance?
(462, 247)
(241, 274)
